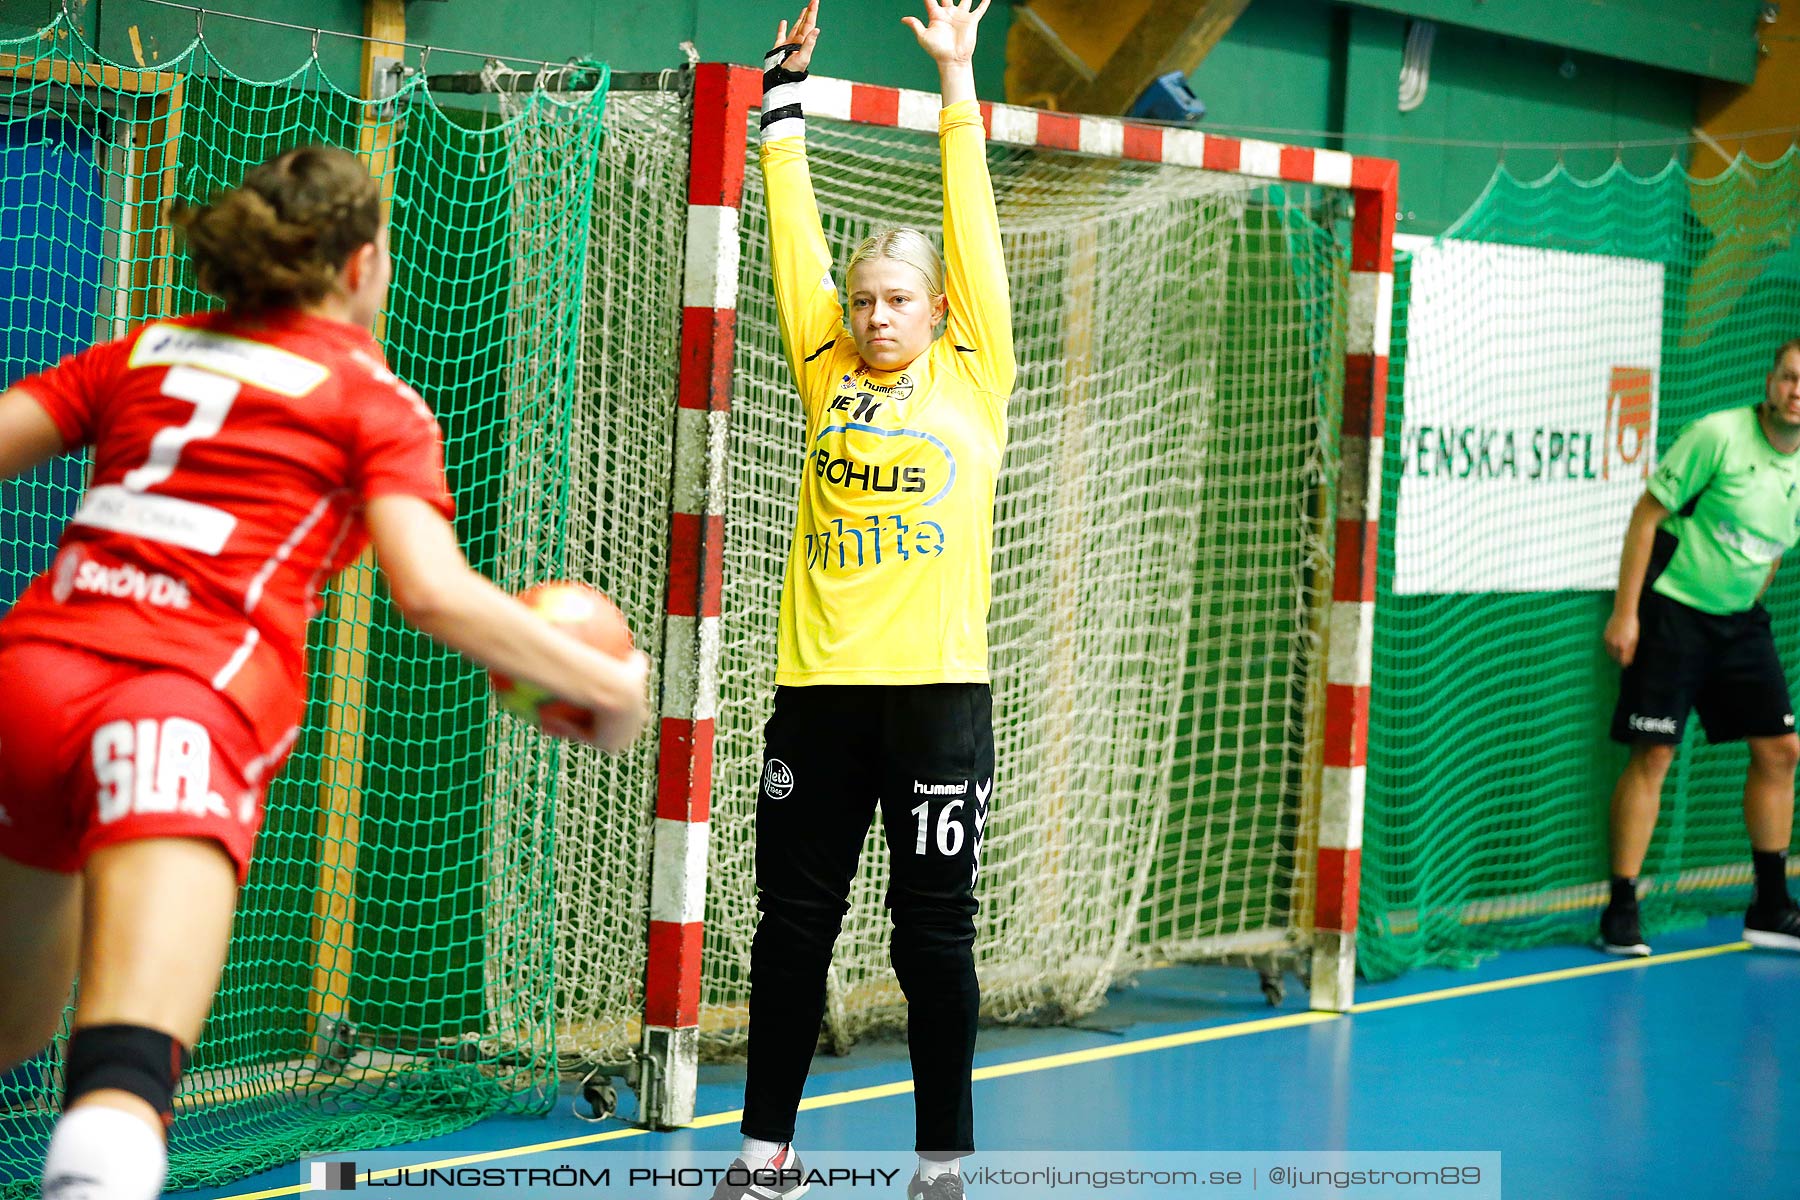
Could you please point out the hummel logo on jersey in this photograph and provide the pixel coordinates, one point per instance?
(900, 389)
(1652, 724)
(921, 788)
(778, 780)
(983, 790)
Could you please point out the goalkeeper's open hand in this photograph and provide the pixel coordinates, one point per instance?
(949, 37)
(804, 35)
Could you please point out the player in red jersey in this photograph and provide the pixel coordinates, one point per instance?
(152, 680)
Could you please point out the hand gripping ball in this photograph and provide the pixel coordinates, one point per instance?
(583, 613)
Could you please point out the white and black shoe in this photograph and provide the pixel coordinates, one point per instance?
(947, 1186)
(1619, 932)
(783, 1179)
(1774, 927)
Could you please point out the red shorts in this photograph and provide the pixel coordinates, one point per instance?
(95, 751)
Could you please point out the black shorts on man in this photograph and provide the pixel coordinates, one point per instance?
(1722, 666)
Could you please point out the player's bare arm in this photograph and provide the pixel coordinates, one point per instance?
(437, 590)
(1621, 634)
(27, 435)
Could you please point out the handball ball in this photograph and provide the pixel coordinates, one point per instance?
(582, 613)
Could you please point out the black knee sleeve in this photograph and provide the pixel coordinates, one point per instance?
(128, 1058)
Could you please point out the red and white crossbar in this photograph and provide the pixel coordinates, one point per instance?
(724, 97)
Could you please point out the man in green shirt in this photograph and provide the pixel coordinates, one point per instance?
(1706, 537)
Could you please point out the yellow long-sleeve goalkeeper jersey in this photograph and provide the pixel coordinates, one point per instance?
(887, 578)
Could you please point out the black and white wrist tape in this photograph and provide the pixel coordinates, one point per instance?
(782, 116)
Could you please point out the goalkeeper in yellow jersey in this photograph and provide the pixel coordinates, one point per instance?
(881, 692)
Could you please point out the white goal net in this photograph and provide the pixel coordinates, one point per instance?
(1161, 566)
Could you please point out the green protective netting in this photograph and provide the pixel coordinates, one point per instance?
(1490, 772)
(427, 1000)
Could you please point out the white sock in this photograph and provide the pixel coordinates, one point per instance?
(757, 1154)
(100, 1153)
(931, 1168)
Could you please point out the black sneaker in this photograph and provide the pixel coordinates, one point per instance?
(1619, 933)
(1776, 928)
(947, 1186)
(784, 1182)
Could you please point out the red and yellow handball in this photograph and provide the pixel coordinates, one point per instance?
(583, 613)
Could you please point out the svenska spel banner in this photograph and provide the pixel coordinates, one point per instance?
(1531, 380)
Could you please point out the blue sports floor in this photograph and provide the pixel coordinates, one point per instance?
(1672, 1076)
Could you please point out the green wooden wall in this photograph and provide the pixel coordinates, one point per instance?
(1327, 74)
(863, 39)
(1520, 72)
(1714, 38)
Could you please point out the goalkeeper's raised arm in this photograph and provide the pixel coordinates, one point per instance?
(980, 311)
(806, 301)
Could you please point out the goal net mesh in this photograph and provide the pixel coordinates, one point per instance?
(1162, 558)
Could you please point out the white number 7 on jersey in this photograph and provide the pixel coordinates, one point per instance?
(212, 397)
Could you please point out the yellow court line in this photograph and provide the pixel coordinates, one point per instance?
(1050, 1062)
(1501, 985)
(1212, 1033)
(883, 1091)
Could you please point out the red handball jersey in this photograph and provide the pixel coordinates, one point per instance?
(232, 460)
